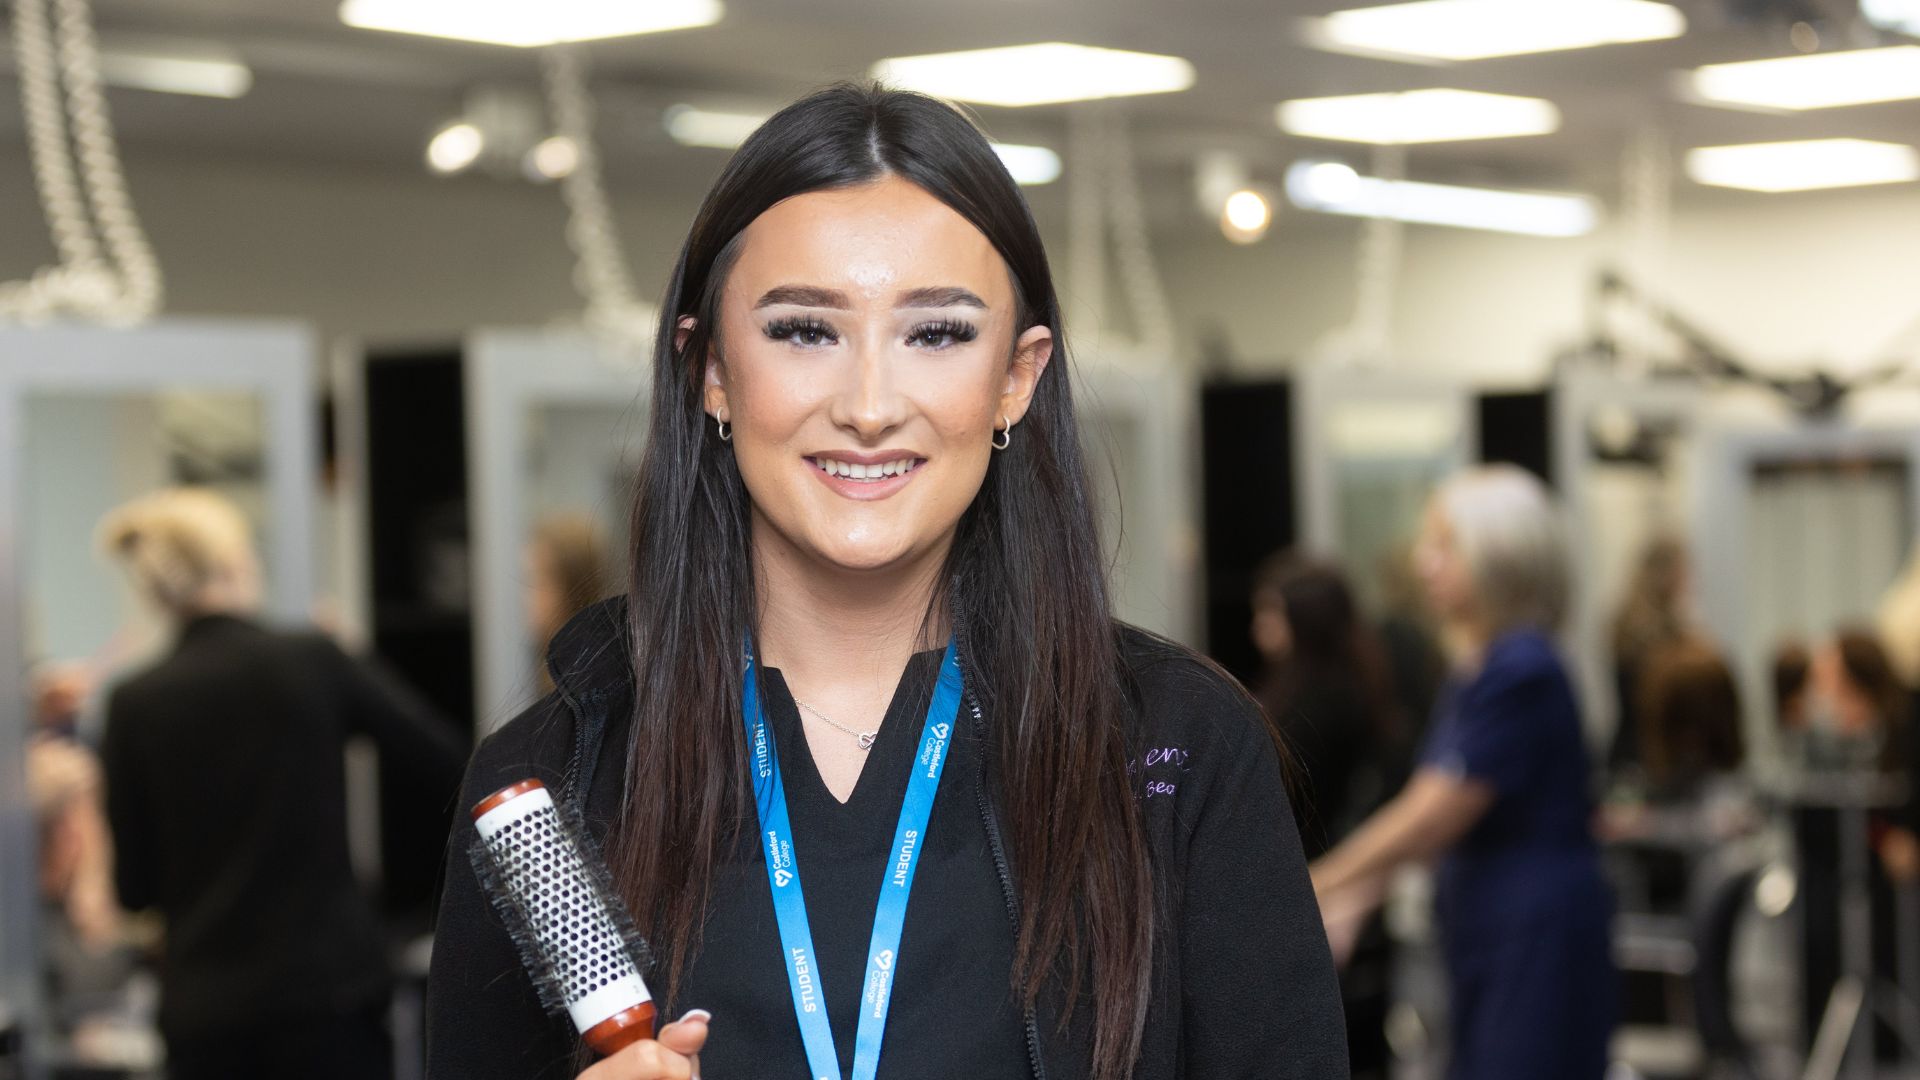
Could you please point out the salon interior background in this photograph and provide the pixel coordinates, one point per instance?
(316, 173)
(296, 213)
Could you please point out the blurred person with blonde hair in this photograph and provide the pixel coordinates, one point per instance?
(226, 797)
(1501, 797)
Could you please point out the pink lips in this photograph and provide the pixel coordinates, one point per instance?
(866, 490)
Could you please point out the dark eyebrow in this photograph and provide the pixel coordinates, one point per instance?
(939, 297)
(804, 296)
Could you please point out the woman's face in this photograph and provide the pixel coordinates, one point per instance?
(866, 353)
(1443, 568)
(1272, 634)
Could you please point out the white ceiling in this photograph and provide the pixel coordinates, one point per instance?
(325, 92)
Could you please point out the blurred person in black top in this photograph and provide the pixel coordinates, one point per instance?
(1326, 688)
(226, 797)
(1845, 717)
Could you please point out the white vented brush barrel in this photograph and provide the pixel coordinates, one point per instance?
(569, 918)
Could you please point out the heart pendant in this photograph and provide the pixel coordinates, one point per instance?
(866, 739)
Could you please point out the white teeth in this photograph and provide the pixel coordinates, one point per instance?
(854, 471)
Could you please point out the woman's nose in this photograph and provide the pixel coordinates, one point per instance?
(869, 402)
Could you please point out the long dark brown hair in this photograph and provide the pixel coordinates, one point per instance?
(1330, 641)
(1024, 586)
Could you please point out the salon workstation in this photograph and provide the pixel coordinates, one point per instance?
(1374, 541)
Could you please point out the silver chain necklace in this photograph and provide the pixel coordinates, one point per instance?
(865, 737)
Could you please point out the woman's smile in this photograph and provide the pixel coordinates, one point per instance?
(865, 476)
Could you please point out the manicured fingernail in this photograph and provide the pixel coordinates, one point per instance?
(701, 1015)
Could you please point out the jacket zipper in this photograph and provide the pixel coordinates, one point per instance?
(1000, 867)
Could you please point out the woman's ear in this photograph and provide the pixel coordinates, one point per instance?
(715, 401)
(1031, 354)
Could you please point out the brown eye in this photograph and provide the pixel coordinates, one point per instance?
(943, 334)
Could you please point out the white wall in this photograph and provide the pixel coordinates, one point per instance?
(1783, 280)
(369, 253)
(396, 255)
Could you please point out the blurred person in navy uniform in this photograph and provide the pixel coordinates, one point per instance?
(1502, 795)
(1326, 688)
(226, 795)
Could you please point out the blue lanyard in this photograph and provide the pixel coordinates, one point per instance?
(790, 904)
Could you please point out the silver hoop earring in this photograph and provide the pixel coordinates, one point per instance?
(725, 430)
(1004, 436)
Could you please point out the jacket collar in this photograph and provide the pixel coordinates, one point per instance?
(211, 622)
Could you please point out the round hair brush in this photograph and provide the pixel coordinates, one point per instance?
(546, 879)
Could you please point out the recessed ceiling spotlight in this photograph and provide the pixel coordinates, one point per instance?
(526, 25)
(552, 158)
(1246, 216)
(455, 148)
(1418, 116)
(1820, 81)
(1478, 29)
(1042, 74)
(1805, 165)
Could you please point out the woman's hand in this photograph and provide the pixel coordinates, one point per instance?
(673, 1055)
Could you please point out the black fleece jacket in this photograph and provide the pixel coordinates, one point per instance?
(1243, 984)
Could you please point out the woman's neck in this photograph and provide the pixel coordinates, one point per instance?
(823, 626)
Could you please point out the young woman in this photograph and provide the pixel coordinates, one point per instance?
(1502, 794)
(864, 473)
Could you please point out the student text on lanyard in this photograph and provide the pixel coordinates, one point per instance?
(790, 904)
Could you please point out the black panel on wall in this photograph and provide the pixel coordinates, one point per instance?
(1246, 462)
(1517, 429)
(422, 620)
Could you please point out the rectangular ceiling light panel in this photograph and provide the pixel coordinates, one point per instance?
(690, 125)
(1814, 81)
(528, 25)
(1479, 29)
(1803, 166)
(1043, 74)
(1333, 188)
(1418, 116)
(171, 74)
(1901, 15)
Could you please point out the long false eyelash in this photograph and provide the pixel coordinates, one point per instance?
(785, 327)
(960, 332)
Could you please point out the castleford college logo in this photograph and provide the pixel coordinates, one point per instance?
(884, 960)
(940, 730)
(782, 878)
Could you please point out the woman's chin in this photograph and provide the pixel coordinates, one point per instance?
(870, 555)
(867, 560)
